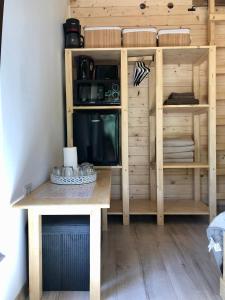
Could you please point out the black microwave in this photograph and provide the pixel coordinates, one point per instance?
(96, 92)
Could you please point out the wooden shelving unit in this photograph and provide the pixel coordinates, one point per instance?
(119, 56)
(196, 206)
(185, 207)
(156, 205)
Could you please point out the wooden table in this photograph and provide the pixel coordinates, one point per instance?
(50, 199)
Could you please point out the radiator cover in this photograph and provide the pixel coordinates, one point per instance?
(66, 253)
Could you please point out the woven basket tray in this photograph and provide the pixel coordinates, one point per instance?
(73, 180)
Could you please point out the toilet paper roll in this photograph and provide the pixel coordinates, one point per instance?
(70, 157)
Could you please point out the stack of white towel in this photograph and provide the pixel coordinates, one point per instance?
(178, 150)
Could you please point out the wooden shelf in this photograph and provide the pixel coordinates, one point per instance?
(195, 109)
(137, 207)
(97, 107)
(185, 207)
(108, 167)
(172, 207)
(98, 54)
(172, 55)
(97, 80)
(193, 165)
(184, 55)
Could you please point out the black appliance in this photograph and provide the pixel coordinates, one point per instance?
(72, 32)
(96, 136)
(85, 67)
(104, 72)
(96, 92)
(89, 93)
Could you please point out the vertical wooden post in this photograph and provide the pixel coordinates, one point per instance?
(95, 254)
(159, 136)
(152, 135)
(69, 96)
(211, 23)
(124, 146)
(196, 127)
(212, 131)
(35, 255)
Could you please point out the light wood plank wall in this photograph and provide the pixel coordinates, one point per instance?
(127, 13)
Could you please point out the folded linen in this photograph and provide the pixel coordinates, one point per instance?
(182, 101)
(179, 155)
(178, 142)
(180, 95)
(178, 149)
(175, 160)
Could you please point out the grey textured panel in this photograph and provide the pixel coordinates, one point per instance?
(66, 253)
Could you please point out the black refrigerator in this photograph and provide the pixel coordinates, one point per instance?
(96, 135)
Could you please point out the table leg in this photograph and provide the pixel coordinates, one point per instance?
(104, 219)
(95, 254)
(35, 255)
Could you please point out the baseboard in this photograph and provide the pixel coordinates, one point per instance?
(23, 294)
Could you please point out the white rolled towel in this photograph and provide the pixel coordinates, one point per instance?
(178, 149)
(177, 160)
(178, 142)
(70, 157)
(180, 155)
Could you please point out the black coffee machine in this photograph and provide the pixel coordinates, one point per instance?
(72, 32)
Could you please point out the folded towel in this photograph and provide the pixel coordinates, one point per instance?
(182, 101)
(178, 142)
(180, 155)
(175, 160)
(181, 95)
(178, 149)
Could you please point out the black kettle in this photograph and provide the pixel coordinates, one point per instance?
(72, 32)
(85, 67)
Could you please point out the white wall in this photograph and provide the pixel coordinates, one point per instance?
(31, 119)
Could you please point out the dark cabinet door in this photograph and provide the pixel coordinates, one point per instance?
(96, 136)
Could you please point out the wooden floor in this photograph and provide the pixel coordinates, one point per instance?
(144, 261)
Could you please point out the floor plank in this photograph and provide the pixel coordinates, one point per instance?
(145, 261)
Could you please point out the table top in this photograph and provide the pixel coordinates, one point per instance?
(95, 194)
